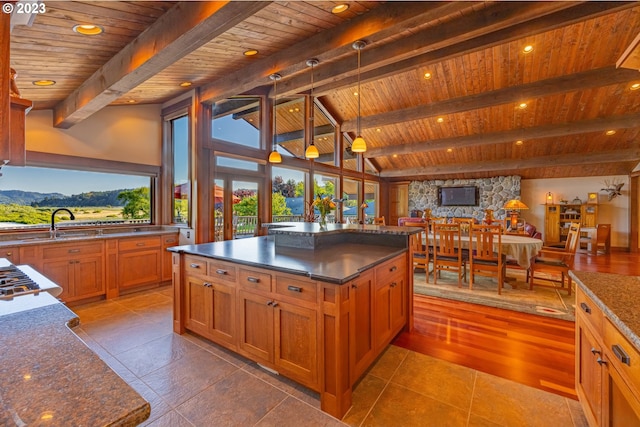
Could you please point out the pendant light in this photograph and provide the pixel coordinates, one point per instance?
(312, 151)
(359, 146)
(274, 156)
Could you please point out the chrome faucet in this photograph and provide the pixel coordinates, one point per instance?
(52, 230)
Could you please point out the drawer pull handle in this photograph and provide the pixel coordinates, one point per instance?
(394, 268)
(294, 288)
(207, 285)
(275, 304)
(594, 351)
(74, 251)
(585, 308)
(354, 286)
(140, 244)
(195, 265)
(601, 361)
(170, 241)
(253, 279)
(621, 354)
(221, 271)
(269, 303)
(393, 284)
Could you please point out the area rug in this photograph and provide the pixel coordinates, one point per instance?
(542, 301)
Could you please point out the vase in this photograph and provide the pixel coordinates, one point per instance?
(323, 222)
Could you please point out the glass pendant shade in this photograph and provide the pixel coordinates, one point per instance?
(275, 157)
(359, 146)
(312, 152)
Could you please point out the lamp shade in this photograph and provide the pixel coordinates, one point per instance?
(515, 204)
(275, 157)
(359, 146)
(312, 152)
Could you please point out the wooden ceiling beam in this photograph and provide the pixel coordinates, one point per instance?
(527, 134)
(514, 32)
(378, 24)
(579, 81)
(181, 30)
(542, 162)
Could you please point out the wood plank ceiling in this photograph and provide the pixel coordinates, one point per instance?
(462, 122)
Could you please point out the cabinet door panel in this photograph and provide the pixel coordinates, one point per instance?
(588, 373)
(382, 315)
(197, 305)
(256, 325)
(88, 277)
(139, 268)
(361, 327)
(296, 341)
(397, 307)
(60, 273)
(223, 315)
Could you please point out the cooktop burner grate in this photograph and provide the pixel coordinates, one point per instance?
(14, 281)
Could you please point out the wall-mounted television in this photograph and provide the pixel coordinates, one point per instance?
(458, 196)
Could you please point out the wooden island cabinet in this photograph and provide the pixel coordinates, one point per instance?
(318, 327)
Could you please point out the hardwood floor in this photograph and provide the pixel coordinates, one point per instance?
(529, 349)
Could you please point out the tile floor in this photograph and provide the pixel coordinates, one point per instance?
(190, 382)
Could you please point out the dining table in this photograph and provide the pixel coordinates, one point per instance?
(520, 248)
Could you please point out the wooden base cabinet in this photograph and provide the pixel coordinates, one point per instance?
(139, 261)
(322, 335)
(607, 369)
(77, 268)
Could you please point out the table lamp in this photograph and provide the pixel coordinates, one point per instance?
(514, 206)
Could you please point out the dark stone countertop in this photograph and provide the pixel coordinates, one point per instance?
(48, 376)
(334, 264)
(617, 296)
(27, 238)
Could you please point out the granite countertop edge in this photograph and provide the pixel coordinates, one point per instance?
(277, 261)
(607, 290)
(92, 236)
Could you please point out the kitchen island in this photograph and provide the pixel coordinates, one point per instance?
(48, 376)
(317, 306)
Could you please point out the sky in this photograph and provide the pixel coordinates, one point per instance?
(45, 180)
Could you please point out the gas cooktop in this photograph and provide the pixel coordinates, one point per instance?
(14, 281)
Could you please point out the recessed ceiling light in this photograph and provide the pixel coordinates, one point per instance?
(378, 130)
(449, 150)
(43, 82)
(519, 142)
(635, 86)
(355, 93)
(394, 156)
(610, 132)
(88, 29)
(131, 101)
(527, 49)
(339, 8)
(427, 75)
(250, 52)
(522, 105)
(185, 84)
(440, 120)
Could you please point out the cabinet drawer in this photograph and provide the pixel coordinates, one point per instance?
(195, 265)
(624, 355)
(65, 251)
(390, 268)
(255, 280)
(299, 289)
(589, 311)
(170, 240)
(139, 243)
(219, 270)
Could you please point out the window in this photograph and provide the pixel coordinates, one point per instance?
(287, 195)
(179, 128)
(371, 197)
(325, 186)
(350, 197)
(324, 137)
(237, 120)
(29, 195)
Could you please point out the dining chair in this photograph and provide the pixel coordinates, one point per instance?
(554, 261)
(379, 220)
(421, 254)
(447, 253)
(603, 238)
(485, 254)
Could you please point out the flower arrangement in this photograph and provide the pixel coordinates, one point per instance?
(324, 205)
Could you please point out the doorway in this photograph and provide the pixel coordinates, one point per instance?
(236, 207)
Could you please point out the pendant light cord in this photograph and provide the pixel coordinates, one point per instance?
(359, 94)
